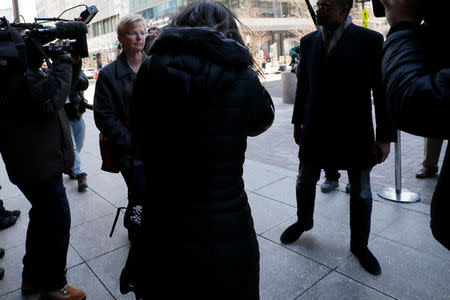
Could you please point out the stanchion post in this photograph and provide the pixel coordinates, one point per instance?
(398, 194)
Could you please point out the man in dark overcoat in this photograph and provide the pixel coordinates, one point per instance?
(340, 67)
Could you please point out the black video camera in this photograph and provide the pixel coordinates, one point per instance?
(378, 9)
(36, 35)
(22, 46)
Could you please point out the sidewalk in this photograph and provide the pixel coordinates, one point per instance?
(318, 266)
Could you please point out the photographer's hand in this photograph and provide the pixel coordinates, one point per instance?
(60, 43)
(403, 10)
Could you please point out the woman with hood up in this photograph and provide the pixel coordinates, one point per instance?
(196, 99)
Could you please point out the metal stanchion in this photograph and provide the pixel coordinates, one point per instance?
(398, 194)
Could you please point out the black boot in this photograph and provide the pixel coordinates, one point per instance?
(368, 261)
(8, 213)
(293, 232)
(6, 222)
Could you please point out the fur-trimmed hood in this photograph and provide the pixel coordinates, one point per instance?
(203, 42)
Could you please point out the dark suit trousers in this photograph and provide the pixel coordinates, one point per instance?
(360, 201)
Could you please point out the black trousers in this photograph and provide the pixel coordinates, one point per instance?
(48, 233)
(360, 201)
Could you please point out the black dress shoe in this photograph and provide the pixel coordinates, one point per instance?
(8, 213)
(2, 273)
(2, 252)
(6, 222)
(293, 232)
(368, 261)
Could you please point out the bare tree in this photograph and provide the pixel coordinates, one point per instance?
(254, 39)
(301, 12)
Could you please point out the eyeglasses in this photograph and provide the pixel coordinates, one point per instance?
(324, 6)
(135, 33)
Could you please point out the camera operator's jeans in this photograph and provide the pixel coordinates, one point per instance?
(77, 129)
(48, 233)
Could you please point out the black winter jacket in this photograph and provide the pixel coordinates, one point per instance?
(76, 106)
(37, 142)
(194, 104)
(416, 70)
(112, 100)
(333, 103)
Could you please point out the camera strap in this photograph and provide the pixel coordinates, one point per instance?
(41, 50)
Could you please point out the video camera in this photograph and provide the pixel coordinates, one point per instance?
(36, 35)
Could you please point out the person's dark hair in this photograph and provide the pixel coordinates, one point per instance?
(349, 3)
(207, 13)
(154, 28)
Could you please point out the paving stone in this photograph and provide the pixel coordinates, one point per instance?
(339, 287)
(413, 229)
(285, 274)
(12, 263)
(327, 243)
(82, 277)
(335, 205)
(282, 190)
(91, 161)
(110, 187)
(17, 294)
(407, 273)
(384, 214)
(92, 239)
(8, 189)
(414, 206)
(255, 177)
(267, 167)
(268, 213)
(108, 268)
(88, 207)
(15, 235)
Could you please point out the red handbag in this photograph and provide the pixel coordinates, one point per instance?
(109, 164)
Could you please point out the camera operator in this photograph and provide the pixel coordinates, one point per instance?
(75, 107)
(416, 71)
(37, 148)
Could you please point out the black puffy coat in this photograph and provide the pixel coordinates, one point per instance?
(194, 104)
(77, 105)
(112, 99)
(416, 69)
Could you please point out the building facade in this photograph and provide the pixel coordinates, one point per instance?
(275, 25)
(274, 21)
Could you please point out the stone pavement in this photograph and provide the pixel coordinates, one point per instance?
(318, 266)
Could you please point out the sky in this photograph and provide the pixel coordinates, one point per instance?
(27, 8)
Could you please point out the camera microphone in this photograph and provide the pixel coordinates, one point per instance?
(62, 30)
(70, 30)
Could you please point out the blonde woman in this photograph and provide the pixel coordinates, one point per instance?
(112, 100)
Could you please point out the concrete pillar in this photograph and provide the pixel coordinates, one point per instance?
(289, 86)
(15, 5)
